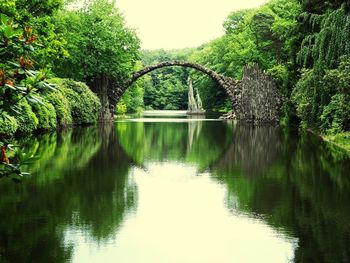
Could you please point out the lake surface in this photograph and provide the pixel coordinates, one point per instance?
(177, 189)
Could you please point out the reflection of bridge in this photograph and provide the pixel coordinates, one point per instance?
(250, 150)
(254, 98)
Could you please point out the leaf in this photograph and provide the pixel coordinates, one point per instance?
(14, 64)
(3, 19)
(31, 73)
(10, 87)
(8, 31)
(30, 47)
(21, 71)
(50, 86)
(16, 109)
(35, 99)
(21, 88)
(14, 167)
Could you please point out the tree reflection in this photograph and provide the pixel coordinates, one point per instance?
(252, 149)
(80, 181)
(302, 189)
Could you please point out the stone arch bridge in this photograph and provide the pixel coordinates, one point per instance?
(254, 98)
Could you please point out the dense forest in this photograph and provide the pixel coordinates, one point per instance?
(62, 60)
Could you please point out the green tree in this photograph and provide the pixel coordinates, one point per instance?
(103, 51)
(321, 94)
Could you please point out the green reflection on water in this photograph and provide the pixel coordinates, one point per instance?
(297, 185)
(193, 142)
(82, 182)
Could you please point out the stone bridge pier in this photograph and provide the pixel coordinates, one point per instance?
(255, 98)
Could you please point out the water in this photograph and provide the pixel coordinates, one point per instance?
(178, 190)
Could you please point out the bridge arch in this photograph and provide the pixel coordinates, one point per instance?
(230, 85)
(217, 77)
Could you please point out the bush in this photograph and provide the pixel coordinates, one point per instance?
(170, 107)
(336, 114)
(8, 124)
(121, 108)
(62, 108)
(84, 104)
(74, 102)
(46, 115)
(26, 119)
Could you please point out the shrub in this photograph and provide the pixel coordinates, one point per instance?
(336, 114)
(170, 107)
(8, 124)
(46, 115)
(83, 103)
(26, 119)
(62, 108)
(121, 108)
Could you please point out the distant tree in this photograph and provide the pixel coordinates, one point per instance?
(166, 88)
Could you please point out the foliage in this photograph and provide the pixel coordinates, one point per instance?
(8, 124)
(99, 43)
(327, 41)
(340, 139)
(234, 21)
(305, 97)
(166, 88)
(323, 101)
(11, 165)
(24, 31)
(132, 99)
(46, 115)
(60, 103)
(27, 120)
(22, 37)
(324, 52)
(336, 115)
(17, 76)
(38, 16)
(83, 104)
(121, 108)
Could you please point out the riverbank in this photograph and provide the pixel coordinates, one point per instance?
(341, 140)
(68, 103)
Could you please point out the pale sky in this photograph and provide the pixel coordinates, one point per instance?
(175, 24)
